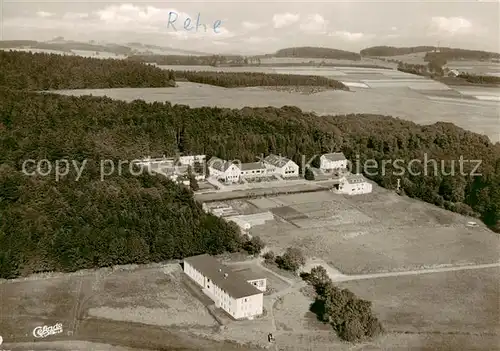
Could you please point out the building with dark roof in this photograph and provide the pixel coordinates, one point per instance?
(230, 289)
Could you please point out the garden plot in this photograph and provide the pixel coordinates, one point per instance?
(263, 203)
(334, 212)
(244, 207)
(288, 213)
(302, 198)
(347, 216)
(319, 208)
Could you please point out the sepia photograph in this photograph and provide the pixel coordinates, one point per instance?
(250, 175)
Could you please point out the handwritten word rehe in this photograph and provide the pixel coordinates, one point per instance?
(188, 26)
(42, 332)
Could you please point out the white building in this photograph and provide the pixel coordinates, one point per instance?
(253, 170)
(231, 290)
(245, 222)
(223, 170)
(281, 165)
(333, 161)
(192, 159)
(156, 163)
(355, 184)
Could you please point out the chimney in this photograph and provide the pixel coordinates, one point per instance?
(225, 275)
(220, 270)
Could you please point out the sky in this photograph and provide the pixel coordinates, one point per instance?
(255, 27)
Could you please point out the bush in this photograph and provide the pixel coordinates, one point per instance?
(270, 256)
(351, 317)
(352, 331)
(253, 246)
(309, 175)
(291, 260)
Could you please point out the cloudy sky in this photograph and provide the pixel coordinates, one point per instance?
(259, 26)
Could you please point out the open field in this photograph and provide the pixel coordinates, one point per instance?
(377, 232)
(109, 306)
(70, 345)
(449, 302)
(398, 97)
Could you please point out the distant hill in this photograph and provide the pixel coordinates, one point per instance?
(67, 46)
(394, 51)
(164, 50)
(317, 52)
(448, 54)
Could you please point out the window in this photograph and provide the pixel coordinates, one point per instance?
(245, 300)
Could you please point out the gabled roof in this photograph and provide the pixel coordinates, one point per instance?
(219, 164)
(336, 156)
(355, 178)
(251, 166)
(276, 161)
(234, 284)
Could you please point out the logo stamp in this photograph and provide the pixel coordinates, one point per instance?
(44, 331)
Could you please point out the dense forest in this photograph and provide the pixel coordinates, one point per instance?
(448, 54)
(252, 79)
(70, 224)
(24, 70)
(73, 224)
(190, 60)
(317, 52)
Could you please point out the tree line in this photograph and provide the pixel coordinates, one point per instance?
(394, 51)
(451, 54)
(479, 79)
(252, 79)
(40, 71)
(432, 52)
(317, 52)
(193, 60)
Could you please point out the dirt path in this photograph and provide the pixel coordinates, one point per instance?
(339, 278)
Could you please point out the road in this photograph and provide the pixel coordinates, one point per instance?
(338, 278)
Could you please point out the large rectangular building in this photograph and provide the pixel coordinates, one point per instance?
(236, 293)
